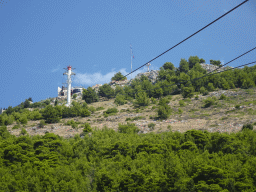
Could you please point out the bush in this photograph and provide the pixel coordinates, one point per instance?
(128, 128)
(247, 126)
(237, 106)
(141, 99)
(85, 112)
(120, 100)
(209, 102)
(23, 131)
(153, 100)
(164, 112)
(111, 111)
(223, 97)
(74, 96)
(92, 109)
(41, 124)
(99, 108)
(196, 97)
(187, 92)
(203, 91)
(151, 126)
(16, 126)
(180, 111)
(182, 103)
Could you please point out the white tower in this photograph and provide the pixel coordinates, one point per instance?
(148, 66)
(69, 73)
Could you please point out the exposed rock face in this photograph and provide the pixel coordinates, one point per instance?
(152, 75)
(210, 67)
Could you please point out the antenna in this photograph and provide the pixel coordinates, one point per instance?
(148, 66)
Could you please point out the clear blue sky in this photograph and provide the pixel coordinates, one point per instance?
(40, 38)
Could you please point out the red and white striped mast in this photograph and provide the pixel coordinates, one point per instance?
(69, 81)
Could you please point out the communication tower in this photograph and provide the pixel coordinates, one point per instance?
(148, 66)
(69, 81)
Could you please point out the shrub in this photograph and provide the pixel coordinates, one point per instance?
(169, 127)
(164, 112)
(74, 96)
(128, 119)
(223, 97)
(99, 108)
(180, 111)
(41, 124)
(187, 92)
(85, 112)
(209, 102)
(196, 97)
(111, 111)
(154, 107)
(16, 126)
(182, 103)
(203, 91)
(128, 128)
(153, 100)
(141, 99)
(247, 126)
(92, 109)
(23, 131)
(151, 126)
(120, 100)
(87, 129)
(237, 106)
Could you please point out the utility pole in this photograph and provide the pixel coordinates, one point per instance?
(69, 73)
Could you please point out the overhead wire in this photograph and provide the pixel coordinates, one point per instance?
(189, 36)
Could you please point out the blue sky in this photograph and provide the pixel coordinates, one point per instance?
(40, 38)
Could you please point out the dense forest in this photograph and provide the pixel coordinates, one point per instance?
(106, 160)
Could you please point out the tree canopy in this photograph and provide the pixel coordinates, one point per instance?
(118, 77)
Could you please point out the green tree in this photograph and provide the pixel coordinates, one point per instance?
(120, 100)
(90, 95)
(106, 91)
(202, 60)
(26, 103)
(118, 77)
(184, 66)
(142, 99)
(168, 65)
(216, 62)
(192, 61)
(51, 115)
(164, 110)
(188, 92)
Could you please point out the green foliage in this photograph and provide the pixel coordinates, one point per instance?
(204, 91)
(196, 97)
(151, 126)
(106, 91)
(92, 109)
(164, 110)
(184, 66)
(210, 87)
(85, 112)
(180, 111)
(111, 111)
(41, 124)
(128, 128)
(247, 126)
(23, 131)
(153, 100)
(120, 100)
(187, 92)
(223, 97)
(100, 108)
(74, 96)
(168, 65)
(216, 62)
(16, 126)
(90, 95)
(182, 103)
(237, 106)
(209, 102)
(87, 128)
(141, 99)
(51, 114)
(118, 77)
(192, 61)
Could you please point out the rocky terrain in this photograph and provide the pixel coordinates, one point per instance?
(225, 116)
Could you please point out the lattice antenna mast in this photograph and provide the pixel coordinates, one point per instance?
(69, 81)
